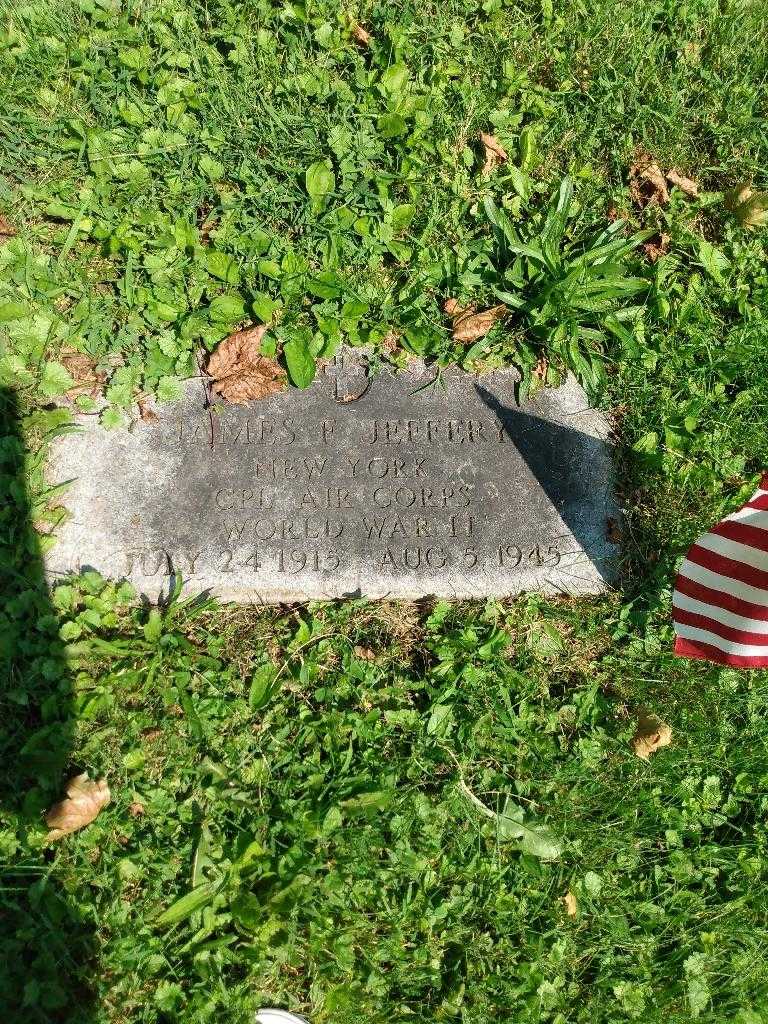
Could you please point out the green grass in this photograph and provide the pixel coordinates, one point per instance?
(386, 832)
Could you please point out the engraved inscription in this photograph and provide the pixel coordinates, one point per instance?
(389, 489)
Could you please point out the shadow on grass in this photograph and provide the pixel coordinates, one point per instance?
(46, 945)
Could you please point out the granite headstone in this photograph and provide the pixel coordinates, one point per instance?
(382, 487)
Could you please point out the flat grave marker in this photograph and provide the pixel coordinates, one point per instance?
(382, 488)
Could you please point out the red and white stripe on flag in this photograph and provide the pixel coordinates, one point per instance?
(720, 600)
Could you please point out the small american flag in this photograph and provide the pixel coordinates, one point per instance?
(720, 600)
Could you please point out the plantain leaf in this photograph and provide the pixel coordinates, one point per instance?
(183, 908)
(262, 686)
(300, 361)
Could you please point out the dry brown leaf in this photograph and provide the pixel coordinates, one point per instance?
(571, 904)
(652, 734)
(136, 809)
(146, 412)
(239, 348)
(492, 143)
(647, 182)
(656, 247)
(82, 804)
(737, 195)
(364, 653)
(82, 369)
(390, 341)
(494, 153)
(7, 230)
(612, 531)
(455, 311)
(240, 373)
(750, 208)
(469, 326)
(541, 369)
(360, 36)
(207, 220)
(655, 179)
(687, 185)
(207, 227)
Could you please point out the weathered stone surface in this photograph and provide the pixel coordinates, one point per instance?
(451, 490)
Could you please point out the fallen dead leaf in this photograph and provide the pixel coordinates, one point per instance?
(738, 194)
(612, 531)
(240, 347)
(687, 185)
(207, 227)
(494, 153)
(360, 36)
(647, 182)
(151, 734)
(7, 230)
(656, 247)
(240, 373)
(749, 208)
(652, 734)
(478, 324)
(136, 809)
(469, 325)
(146, 412)
(456, 311)
(365, 654)
(390, 341)
(571, 904)
(82, 369)
(541, 369)
(82, 804)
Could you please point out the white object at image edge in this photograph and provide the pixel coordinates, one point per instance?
(278, 1017)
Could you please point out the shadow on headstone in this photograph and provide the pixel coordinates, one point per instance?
(46, 946)
(575, 471)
